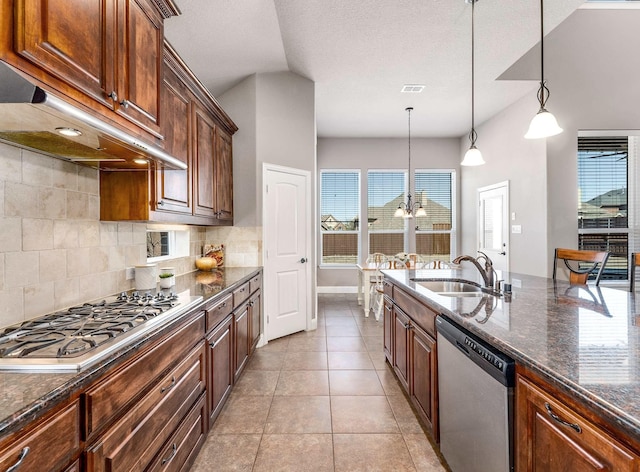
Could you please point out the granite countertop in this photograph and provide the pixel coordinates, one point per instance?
(26, 395)
(583, 339)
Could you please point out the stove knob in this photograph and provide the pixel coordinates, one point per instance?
(135, 295)
(122, 296)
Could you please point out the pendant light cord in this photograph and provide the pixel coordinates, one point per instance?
(473, 135)
(409, 121)
(543, 91)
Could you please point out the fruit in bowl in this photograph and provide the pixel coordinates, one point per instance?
(206, 263)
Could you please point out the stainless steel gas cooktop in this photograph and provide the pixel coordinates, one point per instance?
(75, 338)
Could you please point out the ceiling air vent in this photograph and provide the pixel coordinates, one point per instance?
(412, 88)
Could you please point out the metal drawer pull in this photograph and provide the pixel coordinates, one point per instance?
(113, 96)
(173, 383)
(125, 104)
(174, 448)
(222, 306)
(23, 454)
(574, 426)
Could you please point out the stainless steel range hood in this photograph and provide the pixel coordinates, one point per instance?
(33, 118)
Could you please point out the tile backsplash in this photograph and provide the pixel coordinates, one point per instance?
(54, 250)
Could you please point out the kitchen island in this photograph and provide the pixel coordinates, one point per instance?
(582, 341)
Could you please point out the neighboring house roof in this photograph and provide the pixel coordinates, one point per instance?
(437, 215)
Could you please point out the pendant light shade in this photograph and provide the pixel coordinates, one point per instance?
(544, 124)
(473, 157)
(410, 208)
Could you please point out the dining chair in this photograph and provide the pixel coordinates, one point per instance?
(633, 263)
(437, 265)
(575, 260)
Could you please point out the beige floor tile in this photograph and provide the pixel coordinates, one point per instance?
(354, 382)
(340, 321)
(346, 344)
(307, 344)
(350, 360)
(303, 382)
(279, 344)
(257, 382)
(337, 312)
(243, 415)
(305, 361)
(306, 414)
(295, 453)
(424, 457)
(343, 331)
(378, 359)
(389, 381)
(362, 414)
(373, 343)
(371, 453)
(266, 360)
(228, 453)
(405, 417)
(369, 329)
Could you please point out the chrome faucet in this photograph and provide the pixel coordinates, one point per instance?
(487, 272)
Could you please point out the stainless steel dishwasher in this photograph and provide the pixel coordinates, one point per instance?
(475, 400)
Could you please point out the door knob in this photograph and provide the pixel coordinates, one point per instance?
(303, 260)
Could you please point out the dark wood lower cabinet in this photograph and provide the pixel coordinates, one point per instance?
(401, 346)
(241, 335)
(423, 385)
(554, 436)
(255, 320)
(221, 362)
(387, 319)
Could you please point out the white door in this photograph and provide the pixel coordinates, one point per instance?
(493, 224)
(287, 238)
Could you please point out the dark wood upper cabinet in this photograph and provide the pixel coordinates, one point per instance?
(108, 50)
(203, 147)
(223, 175)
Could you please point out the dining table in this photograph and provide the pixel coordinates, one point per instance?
(365, 271)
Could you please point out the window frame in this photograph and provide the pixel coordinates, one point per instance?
(358, 232)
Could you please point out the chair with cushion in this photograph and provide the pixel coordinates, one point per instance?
(580, 264)
(633, 263)
(437, 265)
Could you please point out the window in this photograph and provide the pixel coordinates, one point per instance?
(603, 224)
(339, 216)
(163, 244)
(435, 233)
(386, 190)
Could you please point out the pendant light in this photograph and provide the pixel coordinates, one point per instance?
(472, 157)
(407, 210)
(544, 124)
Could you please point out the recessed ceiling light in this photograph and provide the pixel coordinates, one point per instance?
(412, 88)
(141, 161)
(65, 131)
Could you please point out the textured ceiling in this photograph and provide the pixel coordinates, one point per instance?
(359, 53)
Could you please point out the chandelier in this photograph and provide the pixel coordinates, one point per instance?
(410, 209)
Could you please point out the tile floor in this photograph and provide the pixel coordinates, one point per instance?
(323, 400)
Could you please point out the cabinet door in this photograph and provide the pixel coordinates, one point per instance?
(72, 40)
(255, 320)
(139, 63)
(241, 334)
(223, 176)
(173, 187)
(203, 134)
(423, 388)
(221, 373)
(552, 437)
(400, 346)
(388, 329)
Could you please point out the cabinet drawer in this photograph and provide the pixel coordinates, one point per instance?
(388, 288)
(255, 283)
(219, 311)
(135, 439)
(419, 313)
(50, 446)
(241, 294)
(183, 447)
(110, 396)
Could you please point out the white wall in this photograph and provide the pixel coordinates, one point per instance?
(381, 153)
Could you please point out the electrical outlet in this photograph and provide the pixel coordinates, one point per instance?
(516, 229)
(130, 273)
(516, 283)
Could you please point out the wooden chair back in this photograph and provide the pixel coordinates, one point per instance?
(633, 263)
(579, 275)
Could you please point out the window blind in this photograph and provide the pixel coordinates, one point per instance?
(386, 190)
(340, 216)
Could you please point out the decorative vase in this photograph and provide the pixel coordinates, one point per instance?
(167, 282)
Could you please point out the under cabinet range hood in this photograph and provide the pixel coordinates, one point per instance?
(32, 118)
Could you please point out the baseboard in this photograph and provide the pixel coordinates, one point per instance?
(336, 289)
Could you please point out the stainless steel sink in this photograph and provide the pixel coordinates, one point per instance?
(450, 288)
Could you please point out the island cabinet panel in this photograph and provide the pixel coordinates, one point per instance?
(241, 338)
(50, 445)
(120, 390)
(423, 387)
(552, 435)
(221, 357)
(401, 346)
(137, 438)
(410, 347)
